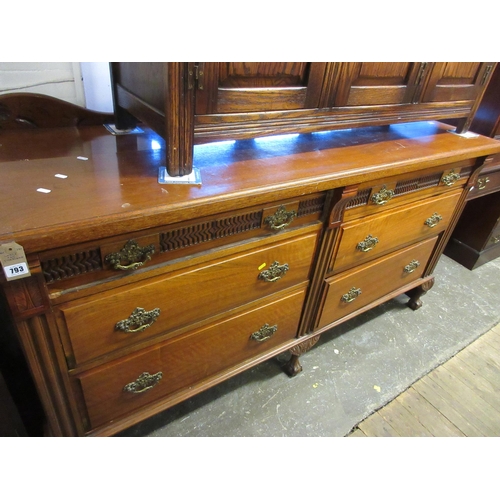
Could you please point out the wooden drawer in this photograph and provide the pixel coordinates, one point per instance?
(371, 237)
(179, 299)
(188, 359)
(126, 256)
(494, 239)
(350, 291)
(404, 189)
(486, 183)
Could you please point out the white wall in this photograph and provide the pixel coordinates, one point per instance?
(57, 79)
(97, 86)
(85, 84)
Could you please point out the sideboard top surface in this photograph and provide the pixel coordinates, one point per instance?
(110, 183)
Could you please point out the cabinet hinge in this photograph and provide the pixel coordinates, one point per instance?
(421, 72)
(486, 74)
(195, 76)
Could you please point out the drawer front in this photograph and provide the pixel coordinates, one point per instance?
(371, 237)
(486, 183)
(116, 320)
(495, 236)
(408, 188)
(350, 291)
(188, 359)
(124, 256)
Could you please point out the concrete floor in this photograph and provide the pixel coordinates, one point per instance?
(351, 372)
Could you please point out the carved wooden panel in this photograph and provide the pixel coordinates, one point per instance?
(27, 296)
(376, 83)
(311, 206)
(456, 81)
(239, 87)
(68, 266)
(207, 231)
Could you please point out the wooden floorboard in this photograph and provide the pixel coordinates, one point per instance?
(458, 399)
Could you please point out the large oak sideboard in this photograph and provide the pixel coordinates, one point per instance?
(141, 294)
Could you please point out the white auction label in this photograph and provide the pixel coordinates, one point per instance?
(13, 260)
(16, 270)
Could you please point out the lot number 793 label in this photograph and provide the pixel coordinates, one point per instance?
(16, 270)
(13, 260)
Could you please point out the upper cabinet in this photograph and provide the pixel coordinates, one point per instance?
(192, 103)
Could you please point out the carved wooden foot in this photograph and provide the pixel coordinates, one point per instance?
(293, 366)
(415, 294)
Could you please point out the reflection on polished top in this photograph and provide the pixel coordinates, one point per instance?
(53, 179)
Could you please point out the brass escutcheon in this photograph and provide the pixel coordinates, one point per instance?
(450, 179)
(367, 244)
(411, 266)
(130, 257)
(281, 218)
(383, 196)
(264, 333)
(138, 321)
(351, 295)
(144, 383)
(274, 273)
(433, 220)
(481, 183)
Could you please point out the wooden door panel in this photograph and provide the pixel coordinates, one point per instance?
(376, 83)
(260, 74)
(456, 81)
(242, 87)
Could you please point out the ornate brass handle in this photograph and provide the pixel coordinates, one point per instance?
(351, 295)
(274, 273)
(451, 178)
(138, 321)
(411, 266)
(130, 257)
(433, 220)
(264, 333)
(495, 239)
(281, 218)
(481, 183)
(144, 383)
(367, 244)
(383, 196)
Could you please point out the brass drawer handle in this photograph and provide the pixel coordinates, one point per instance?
(481, 183)
(138, 321)
(274, 273)
(411, 266)
(264, 333)
(281, 218)
(130, 257)
(433, 220)
(351, 295)
(450, 178)
(144, 383)
(367, 244)
(383, 196)
(495, 239)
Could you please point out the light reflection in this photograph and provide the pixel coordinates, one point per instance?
(323, 132)
(155, 144)
(217, 144)
(275, 138)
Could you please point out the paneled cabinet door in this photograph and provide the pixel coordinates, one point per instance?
(371, 83)
(243, 87)
(456, 81)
